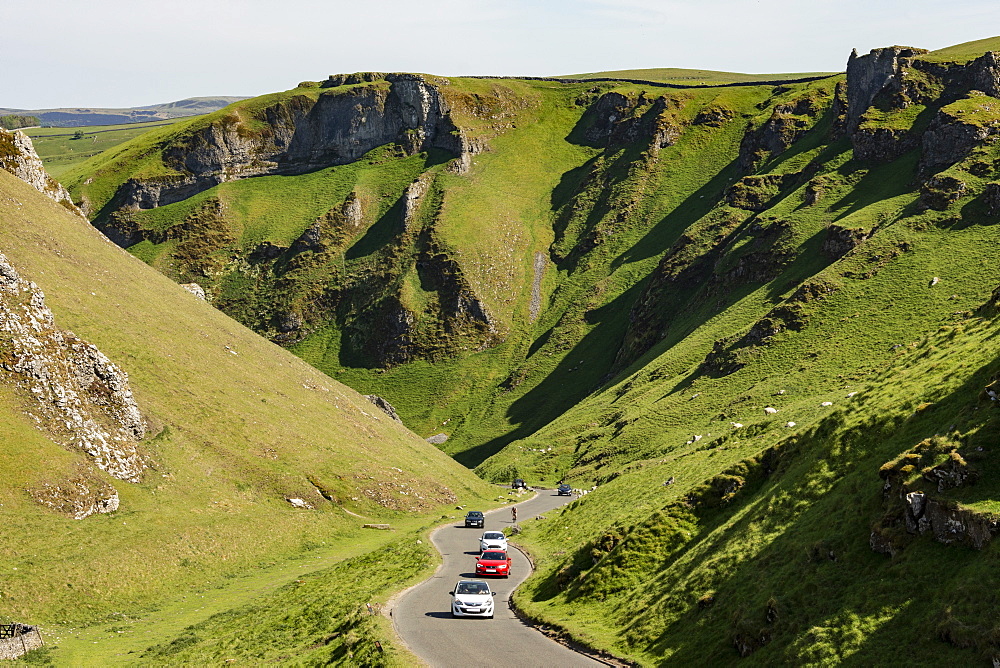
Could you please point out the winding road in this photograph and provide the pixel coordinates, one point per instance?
(422, 616)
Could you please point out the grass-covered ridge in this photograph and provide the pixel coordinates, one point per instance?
(236, 425)
(677, 75)
(762, 331)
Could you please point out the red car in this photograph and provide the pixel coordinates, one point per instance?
(493, 562)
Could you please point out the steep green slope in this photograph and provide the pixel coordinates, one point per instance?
(236, 427)
(61, 150)
(966, 51)
(725, 311)
(829, 323)
(556, 208)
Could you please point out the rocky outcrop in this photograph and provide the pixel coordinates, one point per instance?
(940, 192)
(871, 74)
(80, 398)
(617, 120)
(842, 240)
(412, 196)
(880, 145)
(17, 156)
(891, 80)
(991, 197)
(948, 523)
(913, 510)
(957, 130)
(786, 125)
(301, 134)
(755, 193)
(384, 406)
(728, 355)
(79, 497)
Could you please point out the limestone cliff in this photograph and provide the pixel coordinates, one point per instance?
(75, 394)
(300, 134)
(18, 156)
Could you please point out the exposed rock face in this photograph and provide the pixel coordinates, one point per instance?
(880, 145)
(951, 137)
(384, 405)
(17, 156)
(948, 524)
(196, 290)
(754, 193)
(842, 240)
(893, 79)
(787, 123)
(302, 135)
(79, 497)
(80, 397)
(412, 197)
(991, 196)
(940, 192)
(869, 75)
(918, 512)
(618, 120)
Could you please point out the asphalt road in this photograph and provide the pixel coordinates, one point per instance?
(422, 616)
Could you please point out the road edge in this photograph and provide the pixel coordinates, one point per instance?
(556, 634)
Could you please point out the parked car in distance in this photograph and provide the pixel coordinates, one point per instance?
(493, 562)
(472, 598)
(564, 490)
(519, 484)
(493, 540)
(474, 518)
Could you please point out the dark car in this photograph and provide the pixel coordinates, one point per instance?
(519, 484)
(564, 490)
(474, 518)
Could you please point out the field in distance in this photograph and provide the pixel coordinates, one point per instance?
(63, 148)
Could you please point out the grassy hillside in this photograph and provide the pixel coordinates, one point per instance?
(236, 426)
(719, 530)
(61, 149)
(757, 328)
(966, 51)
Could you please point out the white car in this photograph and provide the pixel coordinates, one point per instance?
(493, 540)
(472, 598)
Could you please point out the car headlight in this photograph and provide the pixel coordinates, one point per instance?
(502, 566)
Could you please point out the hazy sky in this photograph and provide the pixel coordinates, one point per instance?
(122, 53)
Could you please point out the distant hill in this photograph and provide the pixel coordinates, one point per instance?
(75, 116)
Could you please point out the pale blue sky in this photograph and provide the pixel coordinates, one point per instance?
(121, 53)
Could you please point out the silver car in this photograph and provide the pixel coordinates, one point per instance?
(472, 598)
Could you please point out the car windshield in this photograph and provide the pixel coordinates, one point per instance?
(494, 556)
(493, 535)
(472, 588)
(475, 513)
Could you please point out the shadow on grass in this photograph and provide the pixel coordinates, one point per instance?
(881, 182)
(806, 576)
(380, 233)
(579, 373)
(695, 207)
